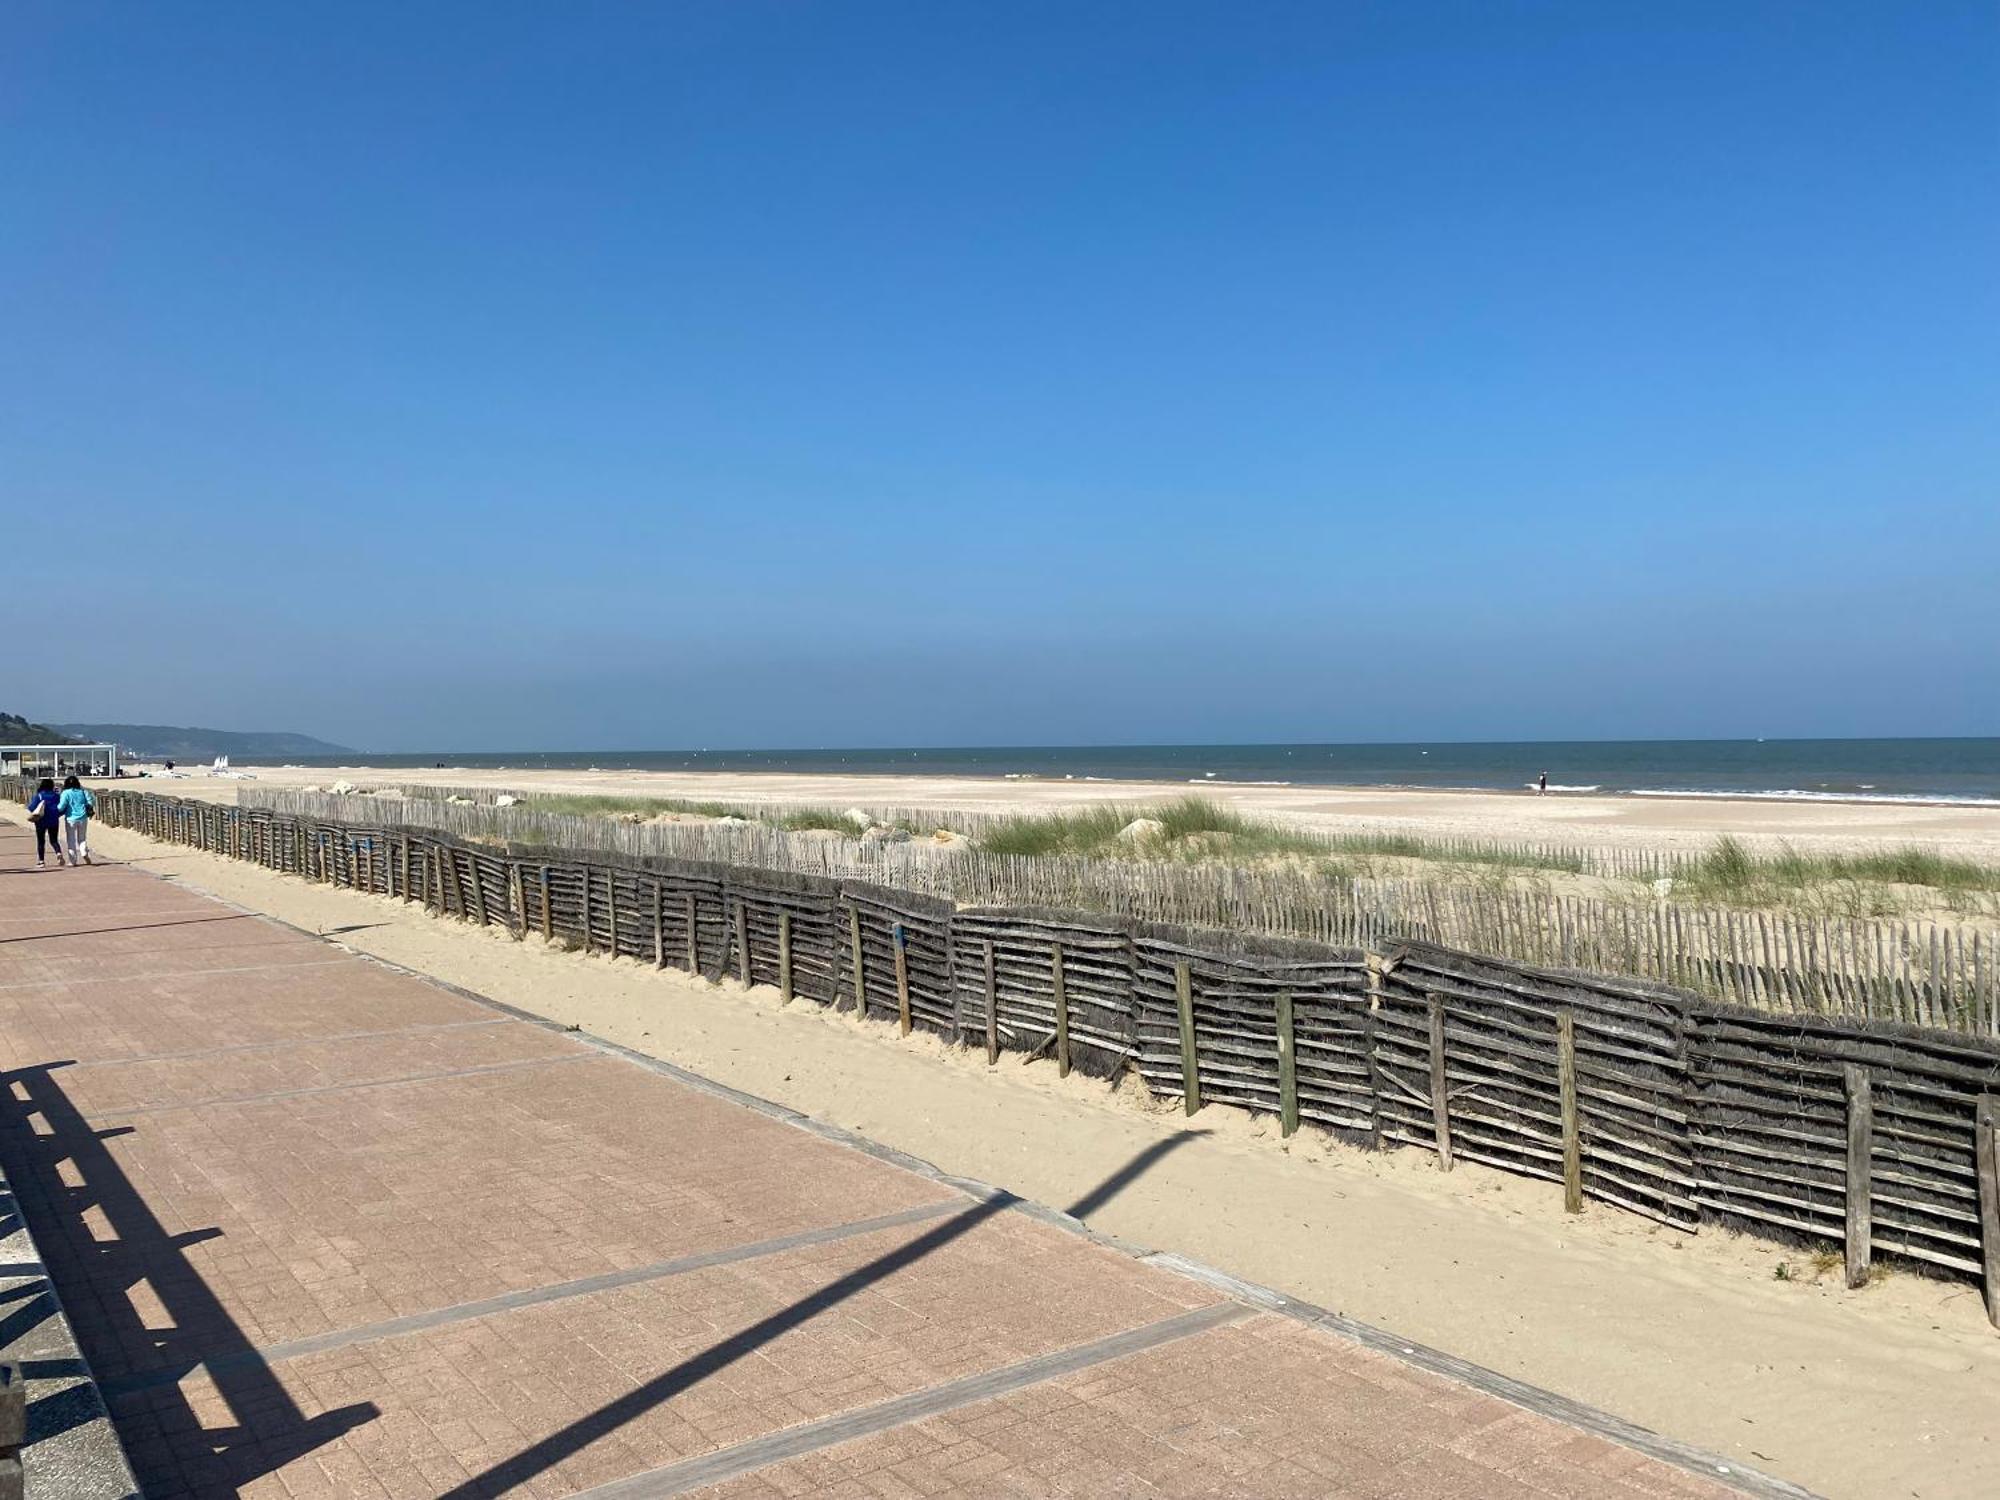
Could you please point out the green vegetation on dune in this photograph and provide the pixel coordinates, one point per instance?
(1189, 827)
(1878, 883)
(1438, 851)
(589, 805)
(1198, 828)
(806, 819)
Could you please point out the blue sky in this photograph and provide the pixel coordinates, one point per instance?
(506, 376)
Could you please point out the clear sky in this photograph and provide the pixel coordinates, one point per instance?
(603, 375)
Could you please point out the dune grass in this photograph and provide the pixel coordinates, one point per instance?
(791, 819)
(804, 819)
(1190, 827)
(588, 805)
(1878, 883)
(1444, 852)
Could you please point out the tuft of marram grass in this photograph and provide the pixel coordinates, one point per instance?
(1190, 827)
(1870, 884)
(586, 805)
(803, 819)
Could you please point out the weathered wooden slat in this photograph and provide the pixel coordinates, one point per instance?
(1860, 1175)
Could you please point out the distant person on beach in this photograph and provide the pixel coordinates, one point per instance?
(45, 812)
(76, 806)
(1542, 787)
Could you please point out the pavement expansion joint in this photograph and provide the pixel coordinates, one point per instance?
(582, 1286)
(284, 1043)
(56, 984)
(810, 1437)
(346, 1088)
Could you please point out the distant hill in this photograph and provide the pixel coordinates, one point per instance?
(15, 730)
(169, 742)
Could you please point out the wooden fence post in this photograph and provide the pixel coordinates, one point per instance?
(854, 954)
(1440, 1096)
(404, 841)
(1288, 1070)
(548, 909)
(1059, 988)
(1572, 1126)
(1380, 967)
(611, 906)
(743, 942)
(784, 957)
(659, 927)
(694, 935)
(1860, 1173)
(902, 980)
(992, 1008)
(517, 902)
(1190, 1068)
(478, 890)
(586, 909)
(1986, 1133)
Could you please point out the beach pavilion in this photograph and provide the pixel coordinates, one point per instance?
(58, 760)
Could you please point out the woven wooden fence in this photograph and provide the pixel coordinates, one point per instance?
(1878, 1137)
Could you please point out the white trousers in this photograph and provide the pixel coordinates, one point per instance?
(76, 838)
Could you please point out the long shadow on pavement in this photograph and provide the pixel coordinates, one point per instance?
(95, 1277)
(558, 1446)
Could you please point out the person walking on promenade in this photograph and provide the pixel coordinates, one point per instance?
(77, 805)
(45, 812)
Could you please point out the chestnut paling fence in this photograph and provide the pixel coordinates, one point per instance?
(1874, 1136)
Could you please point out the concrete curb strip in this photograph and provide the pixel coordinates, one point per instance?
(70, 1451)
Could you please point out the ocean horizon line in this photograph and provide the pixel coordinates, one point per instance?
(1954, 770)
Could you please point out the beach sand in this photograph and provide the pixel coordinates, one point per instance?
(1889, 1391)
(1971, 832)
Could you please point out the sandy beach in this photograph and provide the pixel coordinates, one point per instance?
(1884, 1392)
(1589, 821)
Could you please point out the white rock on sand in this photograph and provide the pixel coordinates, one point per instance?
(860, 817)
(1143, 831)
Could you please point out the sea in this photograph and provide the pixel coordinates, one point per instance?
(1873, 770)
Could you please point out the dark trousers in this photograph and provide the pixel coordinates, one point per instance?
(49, 834)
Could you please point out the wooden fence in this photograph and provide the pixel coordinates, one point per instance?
(1873, 1136)
(1929, 973)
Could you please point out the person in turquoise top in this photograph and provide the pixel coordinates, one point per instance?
(76, 806)
(44, 811)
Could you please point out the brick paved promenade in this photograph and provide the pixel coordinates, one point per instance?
(328, 1230)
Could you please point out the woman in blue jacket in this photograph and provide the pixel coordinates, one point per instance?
(44, 811)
